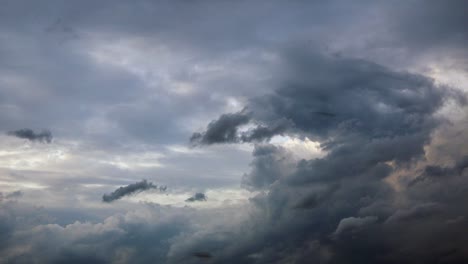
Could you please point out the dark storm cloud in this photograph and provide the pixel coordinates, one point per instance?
(264, 133)
(312, 200)
(130, 189)
(316, 97)
(437, 171)
(416, 213)
(350, 223)
(226, 130)
(222, 130)
(268, 164)
(44, 136)
(193, 29)
(202, 255)
(198, 197)
(381, 122)
(361, 93)
(76, 67)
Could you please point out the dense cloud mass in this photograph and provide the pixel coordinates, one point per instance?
(44, 136)
(319, 132)
(130, 189)
(343, 202)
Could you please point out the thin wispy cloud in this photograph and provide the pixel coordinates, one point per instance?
(130, 190)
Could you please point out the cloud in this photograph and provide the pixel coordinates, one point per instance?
(10, 195)
(198, 197)
(344, 74)
(437, 171)
(44, 136)
(415, 213)
(202, 255)
(129, 190)
(269, 163)
(264, 133)
(444, 22)
(14, 194)
(226, 130)
(352, 223)
(382, 122)
(141, 236)
(222, 130)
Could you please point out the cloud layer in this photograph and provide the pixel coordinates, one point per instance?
(321, 132)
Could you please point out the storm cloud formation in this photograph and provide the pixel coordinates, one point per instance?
(383, 121)
(44, 136)
(323, 131)
(130, 189)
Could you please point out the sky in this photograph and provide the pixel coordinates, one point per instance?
(233, 131)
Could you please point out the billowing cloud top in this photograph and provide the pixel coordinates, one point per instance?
(319, 132)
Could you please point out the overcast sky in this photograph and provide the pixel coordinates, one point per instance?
(233, 131)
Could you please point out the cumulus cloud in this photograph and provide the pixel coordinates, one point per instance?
(129, 190)
(44, 136)
(381, 123)
(28, 234)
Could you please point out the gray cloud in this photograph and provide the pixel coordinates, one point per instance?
(202, 255)
(44, 136)
(351, 223)
(434, 26)
(118, 238)
(415, 213)
(222, 130)
(14, 194)
(124, 78)
(226, 130)
(382, 120)
(437, 171)
(264, 133)
(197, 197)
(268, 164)
(129, 190)
(10, 195)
